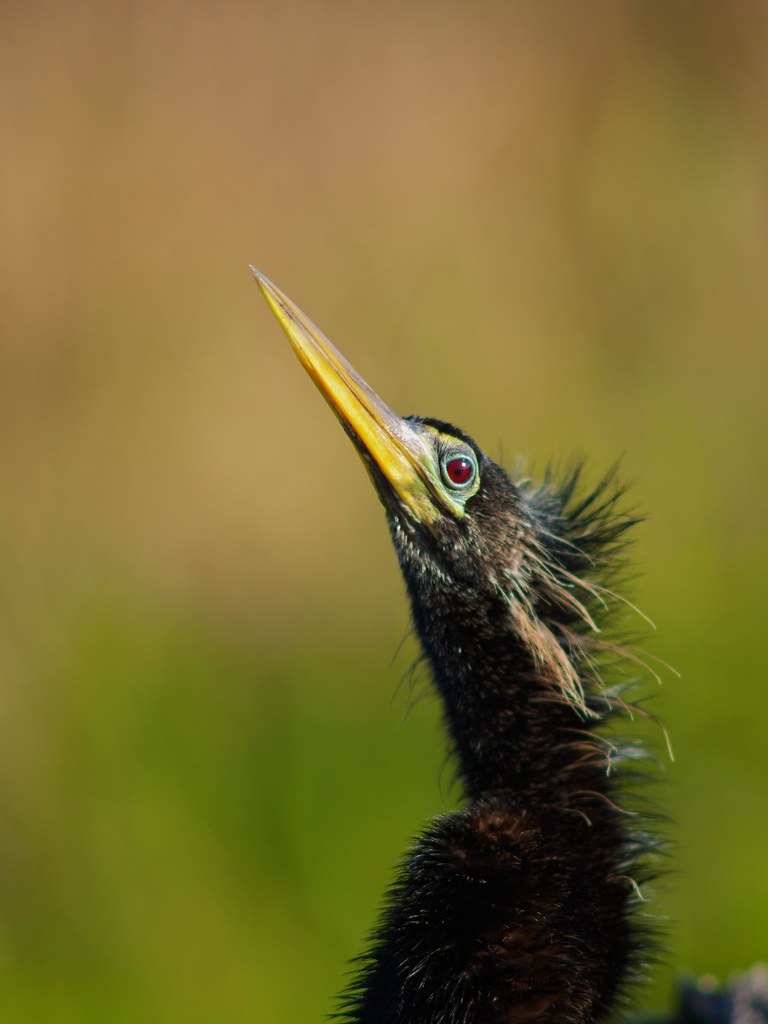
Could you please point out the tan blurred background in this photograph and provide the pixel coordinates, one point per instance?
(545, 222)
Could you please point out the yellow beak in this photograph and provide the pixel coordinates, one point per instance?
(401, 450)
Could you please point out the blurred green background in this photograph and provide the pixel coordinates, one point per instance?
(545, 222)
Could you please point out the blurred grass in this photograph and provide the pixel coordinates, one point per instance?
(545, 224)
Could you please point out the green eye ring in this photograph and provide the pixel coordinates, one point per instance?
(459, 470)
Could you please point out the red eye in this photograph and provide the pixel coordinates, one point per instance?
(459, 471)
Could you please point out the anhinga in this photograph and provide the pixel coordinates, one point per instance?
(521, 905)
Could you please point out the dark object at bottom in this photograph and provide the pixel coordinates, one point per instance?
(744, 1000)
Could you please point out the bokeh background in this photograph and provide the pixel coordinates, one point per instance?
(545, 222)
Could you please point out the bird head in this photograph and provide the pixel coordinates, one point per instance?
(454, 514)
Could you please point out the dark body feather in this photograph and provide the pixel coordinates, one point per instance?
(520, 906)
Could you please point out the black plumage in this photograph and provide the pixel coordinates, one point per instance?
(520, 905)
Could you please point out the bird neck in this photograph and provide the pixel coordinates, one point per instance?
(509, 728)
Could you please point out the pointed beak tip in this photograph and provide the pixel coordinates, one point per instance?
(261, 279)
(270, 292)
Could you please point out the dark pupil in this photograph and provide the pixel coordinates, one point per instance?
(460, 471)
